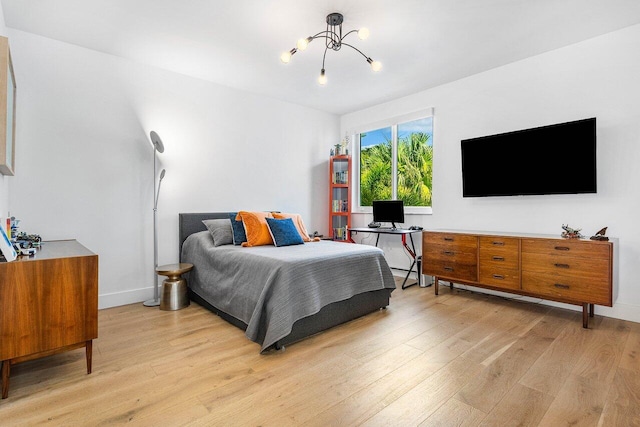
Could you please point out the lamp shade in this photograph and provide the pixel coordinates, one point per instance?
(157, 142)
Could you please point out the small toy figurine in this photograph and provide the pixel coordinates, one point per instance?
(571, 233)
(600, 235)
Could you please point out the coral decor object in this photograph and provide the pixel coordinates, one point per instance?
(571, 233)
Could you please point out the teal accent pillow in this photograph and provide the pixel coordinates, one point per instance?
(284, 232)
(239, 235)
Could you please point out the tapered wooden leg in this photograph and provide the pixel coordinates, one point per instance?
(6, 370)
(585, 315)
(591, 310)
(435, 285)
(89, 351)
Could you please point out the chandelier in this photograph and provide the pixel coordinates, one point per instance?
(334, 40)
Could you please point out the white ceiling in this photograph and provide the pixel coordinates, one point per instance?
(237, 43)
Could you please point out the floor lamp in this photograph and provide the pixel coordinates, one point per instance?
(158, 147)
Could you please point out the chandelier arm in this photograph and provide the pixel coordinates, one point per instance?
(324, 56)
(352, 31)
(357, 50)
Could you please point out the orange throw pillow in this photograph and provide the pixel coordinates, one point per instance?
(256, 228)
(297, 221)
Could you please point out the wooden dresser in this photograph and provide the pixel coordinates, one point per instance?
(573, 271)
(48, 304)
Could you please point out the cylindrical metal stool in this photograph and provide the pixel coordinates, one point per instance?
(174, 287)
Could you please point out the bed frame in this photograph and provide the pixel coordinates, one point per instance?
(329, 316)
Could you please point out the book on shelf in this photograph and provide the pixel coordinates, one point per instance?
(341, 177)
(340, 233)
(340, 206)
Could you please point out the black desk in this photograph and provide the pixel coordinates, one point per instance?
(399, 232)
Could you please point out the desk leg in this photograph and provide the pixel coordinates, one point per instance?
(412, 252)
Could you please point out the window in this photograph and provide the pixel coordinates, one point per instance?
(396, 162)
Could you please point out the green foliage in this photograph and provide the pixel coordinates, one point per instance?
(415, 171)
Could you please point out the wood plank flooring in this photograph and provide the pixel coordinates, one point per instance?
(459, 359)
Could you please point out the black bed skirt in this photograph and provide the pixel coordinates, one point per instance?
(329, 316)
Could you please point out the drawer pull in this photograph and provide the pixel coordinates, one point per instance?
(497, 258)
(498, 243)
(561, 248)
(562, 265)
(448, 252)
(448, 268)
(498, 276)
(448, 239)
(561, 286)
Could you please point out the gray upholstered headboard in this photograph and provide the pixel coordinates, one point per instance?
(189, 223)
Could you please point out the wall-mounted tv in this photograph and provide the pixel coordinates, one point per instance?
(388, 211)
(554, 159)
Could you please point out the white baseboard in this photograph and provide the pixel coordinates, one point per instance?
(126, 297)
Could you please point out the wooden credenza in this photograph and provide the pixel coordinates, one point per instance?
(48, 304)
(573, 271)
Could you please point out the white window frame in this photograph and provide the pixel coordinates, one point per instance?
(393, 124)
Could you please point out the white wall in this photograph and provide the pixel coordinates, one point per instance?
(595, 78)
(85, 163)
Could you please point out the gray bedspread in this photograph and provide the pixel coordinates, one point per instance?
(269, 288)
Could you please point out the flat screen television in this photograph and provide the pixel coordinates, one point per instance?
(388, 211)
(554, 159)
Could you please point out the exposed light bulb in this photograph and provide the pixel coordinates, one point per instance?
(322, 79)
(303, 43)
(286, 56)
(375, 65)
(363, 33)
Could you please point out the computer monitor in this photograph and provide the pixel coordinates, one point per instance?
(388, 211)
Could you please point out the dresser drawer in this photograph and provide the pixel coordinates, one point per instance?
(568, 288)
(450, 269)
(499, 252)
(590, 269)
(463, 243)
(507, 278)
(567, 247)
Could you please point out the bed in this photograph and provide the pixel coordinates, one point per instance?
(280, 295)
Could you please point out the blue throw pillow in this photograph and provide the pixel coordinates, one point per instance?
(239, 235)
(284, 232)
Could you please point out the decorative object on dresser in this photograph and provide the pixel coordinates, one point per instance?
(48, 304)
(339, 197)
(573, 271)
(600, 235)
(158, 147)
(571, 233)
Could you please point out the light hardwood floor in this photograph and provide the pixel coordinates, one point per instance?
(459, 359)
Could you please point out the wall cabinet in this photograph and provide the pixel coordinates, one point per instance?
(7, 110)
(339, 197)
(573, 271)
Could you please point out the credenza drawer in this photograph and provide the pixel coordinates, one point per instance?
(508, 278)
(499, 252)
(450, 254)
(589, 269)
(462, 242)
(567, 247)
(568, 288)
(450, 269)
